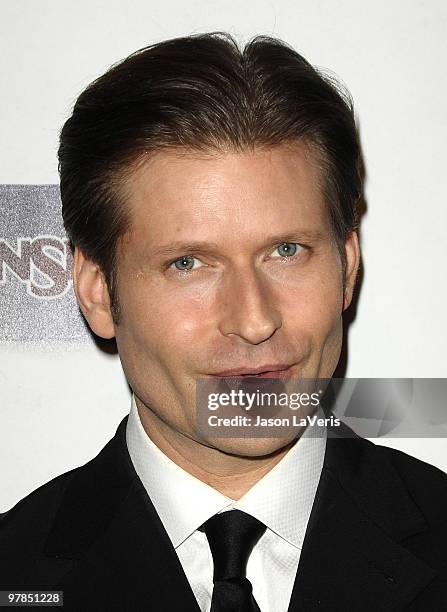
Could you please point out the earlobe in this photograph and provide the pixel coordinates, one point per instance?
(92, 294)
(352, 251)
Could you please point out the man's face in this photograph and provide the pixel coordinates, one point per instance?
(230, 263)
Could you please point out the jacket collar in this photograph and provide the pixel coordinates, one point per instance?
(106, 528)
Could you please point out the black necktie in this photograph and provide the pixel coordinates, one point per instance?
(231, 536)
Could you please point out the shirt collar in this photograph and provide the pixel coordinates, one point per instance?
(282, 499)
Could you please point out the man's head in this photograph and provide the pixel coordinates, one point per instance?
(212, 196)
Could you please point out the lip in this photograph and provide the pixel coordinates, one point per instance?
(282, 370)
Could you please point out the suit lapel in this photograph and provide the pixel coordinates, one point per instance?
(108, 546)
(351, 557)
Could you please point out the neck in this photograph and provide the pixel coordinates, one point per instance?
(230, 474)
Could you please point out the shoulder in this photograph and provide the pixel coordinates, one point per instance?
(74, 503)
(385, 480)
(426, 483)
(26, 524)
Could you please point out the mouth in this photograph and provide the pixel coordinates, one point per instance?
(267, 371)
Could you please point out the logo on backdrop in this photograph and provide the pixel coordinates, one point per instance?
(43, 264)
(37, 301)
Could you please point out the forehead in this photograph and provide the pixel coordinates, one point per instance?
(180, 192)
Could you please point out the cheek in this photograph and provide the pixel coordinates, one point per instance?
(166, 320)
(314, 302)
(314, 322)
(325, 306)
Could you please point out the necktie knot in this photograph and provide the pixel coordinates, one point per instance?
(232, 536)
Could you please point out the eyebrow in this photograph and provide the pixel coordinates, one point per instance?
(174, 248)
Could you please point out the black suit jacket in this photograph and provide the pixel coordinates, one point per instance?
(376, 539)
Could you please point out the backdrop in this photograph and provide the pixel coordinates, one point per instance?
(62, 395)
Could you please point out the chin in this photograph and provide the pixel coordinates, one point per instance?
(251, 447)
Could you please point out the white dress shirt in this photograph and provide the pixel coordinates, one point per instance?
(282, 500)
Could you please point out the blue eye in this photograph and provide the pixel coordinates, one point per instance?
(287, 249)
(184, 263)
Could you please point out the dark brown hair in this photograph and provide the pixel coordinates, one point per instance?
(199, 92)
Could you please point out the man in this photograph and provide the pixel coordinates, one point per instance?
(211, 196)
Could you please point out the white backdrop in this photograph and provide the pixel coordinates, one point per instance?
(61, 403)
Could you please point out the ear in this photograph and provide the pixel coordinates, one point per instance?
(352, 251)
(92, 295)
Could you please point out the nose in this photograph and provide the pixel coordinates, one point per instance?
(247, 307)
